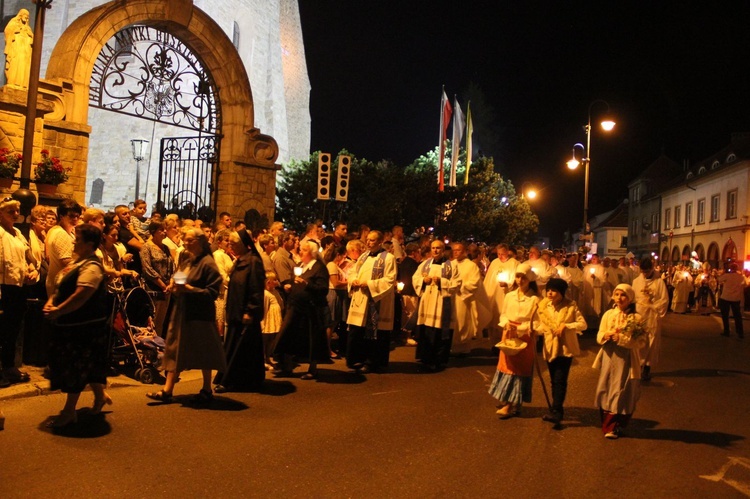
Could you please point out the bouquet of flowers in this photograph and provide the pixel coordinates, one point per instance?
(9, 163)
(50, 170)
(634, 328)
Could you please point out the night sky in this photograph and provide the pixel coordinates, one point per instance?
(676, 76)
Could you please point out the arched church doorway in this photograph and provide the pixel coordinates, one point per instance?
(145, 72)
(164, 63)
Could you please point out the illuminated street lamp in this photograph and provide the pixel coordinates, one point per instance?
(607, 125)
(139, 152)
(528, 193)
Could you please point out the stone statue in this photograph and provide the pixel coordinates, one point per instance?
(18, 41)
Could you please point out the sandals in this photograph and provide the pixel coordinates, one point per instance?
(203, 397)
(100, 403)
(63, 419)
(160, 396)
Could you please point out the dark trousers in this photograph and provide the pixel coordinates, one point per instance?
(363, 350)
(11, 321)
(559, 369)
(724, 307)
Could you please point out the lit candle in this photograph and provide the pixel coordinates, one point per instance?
(400, 286)
(298, 271)
(502, 277)
(592, 271)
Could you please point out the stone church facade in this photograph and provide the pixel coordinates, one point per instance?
(253, 51)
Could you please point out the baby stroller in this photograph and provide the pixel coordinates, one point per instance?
(136, 344)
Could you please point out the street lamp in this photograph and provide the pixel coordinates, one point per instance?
(139, 152)
(530, 193)
(607, 125)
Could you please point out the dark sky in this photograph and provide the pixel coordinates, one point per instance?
(676, 76)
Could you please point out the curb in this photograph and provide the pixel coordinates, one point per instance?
(39, 385)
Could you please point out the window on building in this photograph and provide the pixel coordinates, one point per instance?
(667, 218)
(636, 193)
(623, 241)
(688, 214)
(635, 227)
(715, 206)
(701, 170)
(677, 216)
(701, 216)
(715, 165)
(731, 157)
(655, 222)
(732, 204)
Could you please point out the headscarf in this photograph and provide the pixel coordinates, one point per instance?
(628, 289)
(526, 270)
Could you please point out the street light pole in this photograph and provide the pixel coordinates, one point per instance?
(607, 125)
(139, 152)
(23, 194)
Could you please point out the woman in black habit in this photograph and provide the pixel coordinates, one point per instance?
(243, 344)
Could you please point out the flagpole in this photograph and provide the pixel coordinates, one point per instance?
(441, 143)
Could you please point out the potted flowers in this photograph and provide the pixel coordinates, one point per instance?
(9, 164)
(49, 173)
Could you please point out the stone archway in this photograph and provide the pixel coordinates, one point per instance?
(713, 255)
(729, 253)
(247, 159)
(675, 259)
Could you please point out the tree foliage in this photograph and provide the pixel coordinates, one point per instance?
(383, 194)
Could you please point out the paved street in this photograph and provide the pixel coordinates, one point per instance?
(402, 434)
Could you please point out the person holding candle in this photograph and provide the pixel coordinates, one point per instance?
(303, 332)
(683, 285)
(651, 302)
(436, 281)
(193, 341)
(471, 311)
(595, 300)
(499, 277)
(372, 286)
(519, 320)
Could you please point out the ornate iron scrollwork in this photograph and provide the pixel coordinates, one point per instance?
(146, 72)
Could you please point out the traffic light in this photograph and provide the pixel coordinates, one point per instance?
(324, 176)
(342, 182)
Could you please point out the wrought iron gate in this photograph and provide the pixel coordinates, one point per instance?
(188, 175)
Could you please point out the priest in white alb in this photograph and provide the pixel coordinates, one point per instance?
(436, 282)
(500, 275)
(372, 286)
(471, 313)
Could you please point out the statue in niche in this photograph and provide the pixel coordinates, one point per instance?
(18, 41)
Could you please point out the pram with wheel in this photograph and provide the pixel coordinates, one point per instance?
(136, 344)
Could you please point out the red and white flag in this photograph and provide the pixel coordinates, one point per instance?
(445, 118)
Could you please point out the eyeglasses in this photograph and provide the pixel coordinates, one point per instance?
(5, 200)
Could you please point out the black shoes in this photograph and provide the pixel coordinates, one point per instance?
(553, 416)
(646, 373)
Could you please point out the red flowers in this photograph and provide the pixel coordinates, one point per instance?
(50, 170)
(9, 163)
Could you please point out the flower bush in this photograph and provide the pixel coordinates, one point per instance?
(50, 170)
(9, 163)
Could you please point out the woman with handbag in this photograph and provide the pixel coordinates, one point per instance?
(78, 311)
(519, 320)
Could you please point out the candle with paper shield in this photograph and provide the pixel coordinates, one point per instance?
(180, 277)
(503, 277)
(400, 286)
(297, 271)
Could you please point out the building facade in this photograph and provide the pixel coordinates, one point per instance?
(248, 53)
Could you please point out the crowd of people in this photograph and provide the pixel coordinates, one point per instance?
(243, 303)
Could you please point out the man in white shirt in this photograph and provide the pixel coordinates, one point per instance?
(471, 311)
(651, 301)
(500, 275)
(733, 284)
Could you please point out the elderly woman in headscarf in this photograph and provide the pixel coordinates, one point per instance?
(621, 334)
(303, 332)
(243, 344)
(519, 321)
(192, 338)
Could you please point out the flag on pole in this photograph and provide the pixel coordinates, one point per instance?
(445, 119)
(469, 133)
(458, 133)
